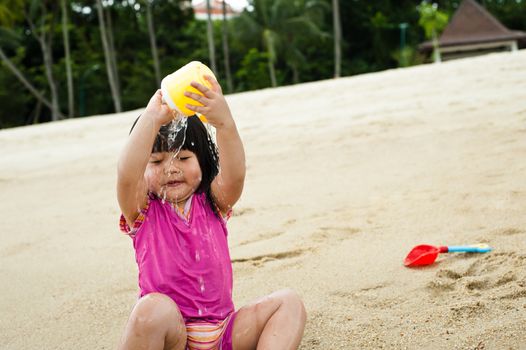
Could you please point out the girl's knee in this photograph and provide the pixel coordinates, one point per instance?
(156, 312)
(291, 300)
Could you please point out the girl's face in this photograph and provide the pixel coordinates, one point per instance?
(173, 178)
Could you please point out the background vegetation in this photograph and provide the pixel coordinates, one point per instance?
(71, 58)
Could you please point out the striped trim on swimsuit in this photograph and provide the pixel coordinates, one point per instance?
(123, 225)
(206, 335)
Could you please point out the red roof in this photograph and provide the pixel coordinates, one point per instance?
(216, 7)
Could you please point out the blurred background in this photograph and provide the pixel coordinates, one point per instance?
(67, 59)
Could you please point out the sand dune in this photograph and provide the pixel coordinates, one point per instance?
(344, 177)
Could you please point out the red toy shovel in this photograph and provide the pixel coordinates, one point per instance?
(426, 254)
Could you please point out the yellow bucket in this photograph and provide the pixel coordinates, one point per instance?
(174, 85)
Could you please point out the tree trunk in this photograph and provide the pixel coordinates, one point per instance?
(295, 74)
(23, 79)
(153, 44)
(210, 36)
(226, 50)
(48, 63)
(36, 113)
(69, 75)
(45, 43)
(272, 72)
(436, 49)
(113, 56)
(107, 56)
(271, 57)
(337, 38)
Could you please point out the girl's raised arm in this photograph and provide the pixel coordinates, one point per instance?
(131, 186)
(228, 185)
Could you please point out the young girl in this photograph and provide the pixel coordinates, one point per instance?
(175, 206)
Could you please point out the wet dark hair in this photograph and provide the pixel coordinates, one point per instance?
(197, 140)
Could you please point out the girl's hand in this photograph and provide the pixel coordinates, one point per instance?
(159, 111)
(214, 106)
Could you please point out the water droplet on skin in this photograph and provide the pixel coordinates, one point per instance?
(197, 257)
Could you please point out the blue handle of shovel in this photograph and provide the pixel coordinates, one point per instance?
(480, 248)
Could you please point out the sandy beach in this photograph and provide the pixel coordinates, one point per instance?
(344, 177)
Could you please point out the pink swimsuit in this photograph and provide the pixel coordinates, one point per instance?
(187, 260)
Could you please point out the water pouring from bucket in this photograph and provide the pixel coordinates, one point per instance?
(174, 87)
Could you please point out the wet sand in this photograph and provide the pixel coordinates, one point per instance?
(344, 178)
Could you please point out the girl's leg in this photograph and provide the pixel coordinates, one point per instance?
(274, 322)
(155, 323)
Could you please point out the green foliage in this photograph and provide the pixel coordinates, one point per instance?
(11, 12)
(16, 104)
(408, 56)
(281, 27)
(510, 12)
(432, 20)
(253, 73)
(296, 35)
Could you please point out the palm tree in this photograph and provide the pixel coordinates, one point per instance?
(280, 24)
(210, 37)
(69, 75)
(112, 78)
(337, 38)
